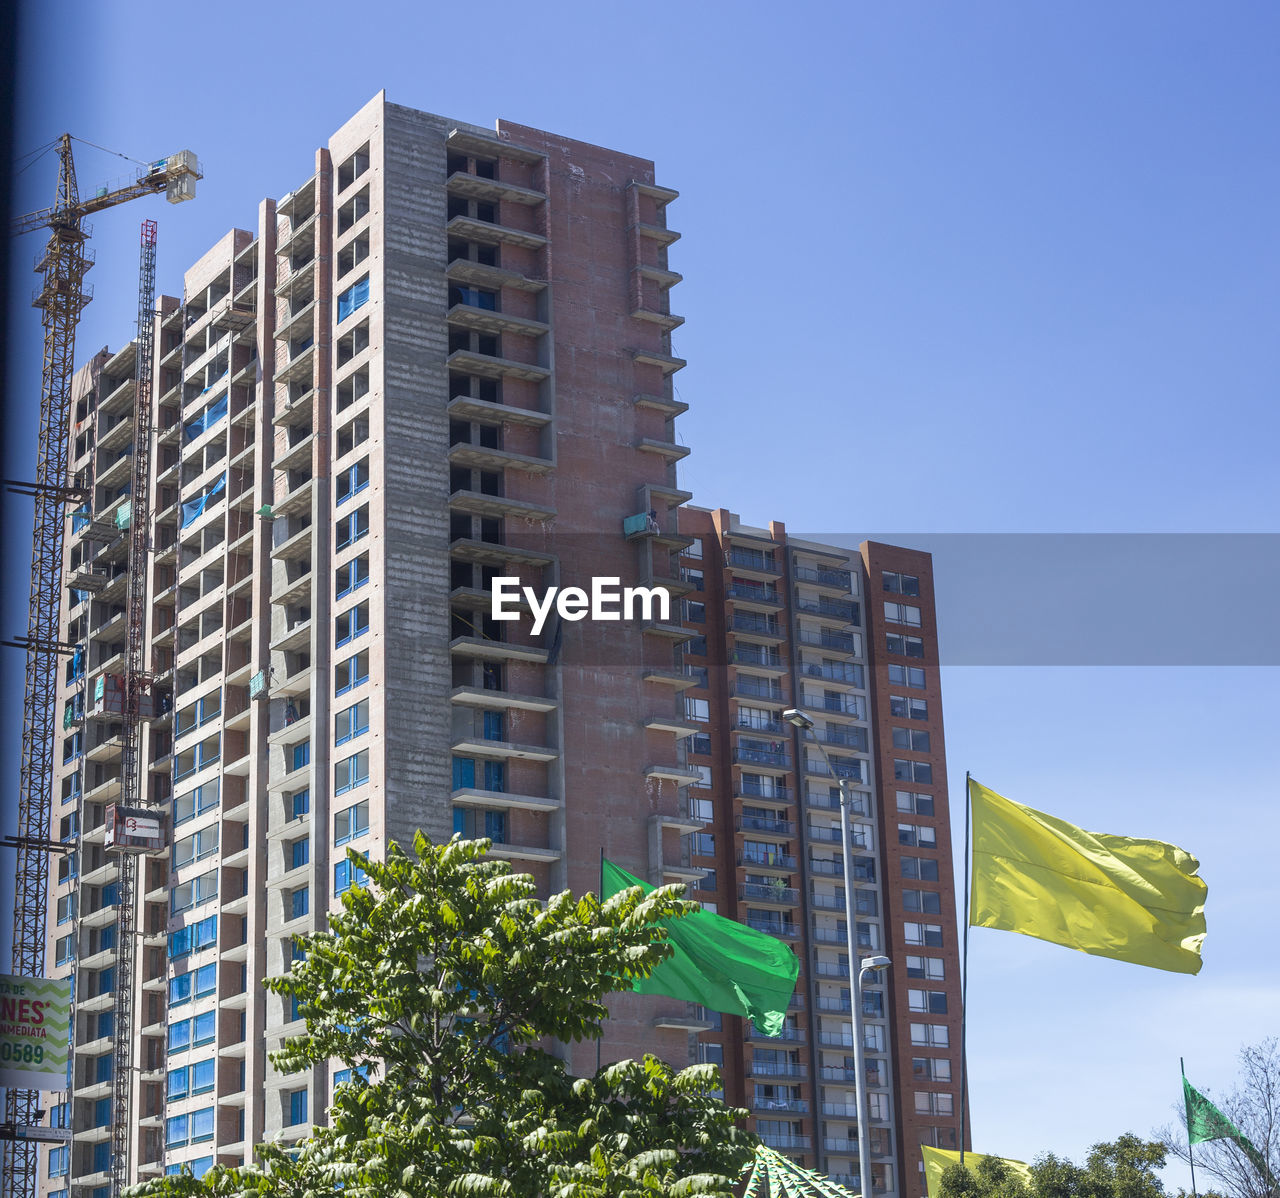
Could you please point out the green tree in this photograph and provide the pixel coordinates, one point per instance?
(1125, 1168)
(1253, 1105)
(445, 978)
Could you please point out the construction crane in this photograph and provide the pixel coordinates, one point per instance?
(61, 298)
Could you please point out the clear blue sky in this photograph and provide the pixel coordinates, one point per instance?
(950, 268)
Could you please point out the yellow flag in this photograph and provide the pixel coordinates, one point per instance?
(936, 1161)
(1112, 896)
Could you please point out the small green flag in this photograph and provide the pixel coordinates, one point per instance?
(1206, 1122)
(717, 962)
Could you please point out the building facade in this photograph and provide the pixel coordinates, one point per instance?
(849, 638)
(444, 357)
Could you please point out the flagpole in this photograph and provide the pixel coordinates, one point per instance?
(964, 978)
(600, 1037)
(1187, 1105)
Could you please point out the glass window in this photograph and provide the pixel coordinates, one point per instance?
(297, 1103)
(350, 624)
(353, 721)
(204, 1028)
(699, 709)
(299, 902)
(301, 803)
(919, 869)
(910, 803)
(351, 673)
(350, 822)
(912, 676)
(931, 1034)
(351, 528)
(929, 934)
(900, 584)
(927, 901)
(351, 772)
(918, 836)
(202, 1075)
(179, 1035)
(344, 877)
(904, 646)
(352, 480)
(351, 575)
(299, 853)
(177, 1083)
(176, 1131)
(202, 1125)
(902, 613)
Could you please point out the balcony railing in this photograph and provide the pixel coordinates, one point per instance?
(753, 790)
(796, 1105)
(838, 642)
(765, 727)
(851, 705)
(821, 800)
(757, 688)
(840, 768)
(776, 1069)
(824, 578)
(744, 655)
(839, 672)
(837, 609)
(790, 1034)
(754, 594)
(760, 823)
(754, 559)
(762, 892)
(748, 756)
(774, 927)
(753, 624)
(767, 860)
(789, 1143)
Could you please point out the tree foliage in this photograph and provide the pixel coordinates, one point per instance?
(444, 979)
(1253, 1105)
(1125, 1168)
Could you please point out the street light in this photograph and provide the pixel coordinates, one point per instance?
(869, 965)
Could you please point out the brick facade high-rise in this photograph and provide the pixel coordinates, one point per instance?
(444, 357)
(848, 637)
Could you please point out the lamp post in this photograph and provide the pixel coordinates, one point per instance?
(857, 968)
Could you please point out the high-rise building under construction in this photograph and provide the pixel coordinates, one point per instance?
(446, 357)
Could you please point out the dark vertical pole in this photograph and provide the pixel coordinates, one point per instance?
(964, 978)
(600, 1037)
(1182, 1068)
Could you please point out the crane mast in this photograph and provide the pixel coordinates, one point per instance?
(61, 298)
(137, 682)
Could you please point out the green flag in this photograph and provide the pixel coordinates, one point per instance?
(1112, 896)
(718, 963)
(1206, 1122)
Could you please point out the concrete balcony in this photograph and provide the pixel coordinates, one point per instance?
(681, 775)
(488, 233)
(475, 696)
(476, 745)
(484, 458)
(489, 650)
(463, 270)
(496, 505)
(471, 796)
(474, 187)
(468, 407)
(485, 320)
(465, 361)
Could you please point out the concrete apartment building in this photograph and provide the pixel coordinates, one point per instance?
(445, 356)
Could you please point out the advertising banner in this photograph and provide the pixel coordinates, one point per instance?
(35, 1016)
